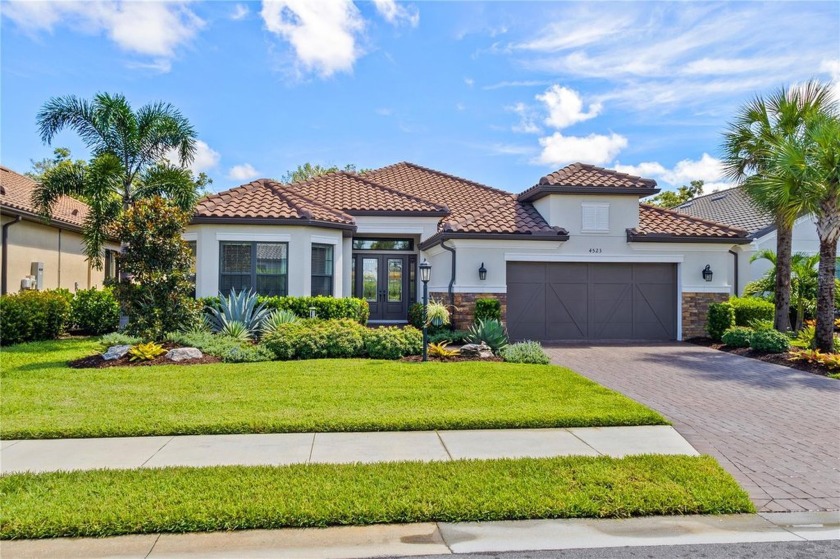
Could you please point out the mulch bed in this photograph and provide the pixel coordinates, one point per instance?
(775, 358)
(454, 358)
(96, 361)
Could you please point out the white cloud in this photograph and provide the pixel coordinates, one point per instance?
(384, 111)
(206, 158)
(561, 35)
(469, 81)
(239, 12)
(527, 119)
(832, 68)
(396, 14)
(565, 107)
(597, 149)
(707, 169)
(460, 106)
(243, 172)
(521, 83)
(322, 33)
(153, 29)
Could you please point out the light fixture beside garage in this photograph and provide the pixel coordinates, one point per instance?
(707, 273)
(482, 272)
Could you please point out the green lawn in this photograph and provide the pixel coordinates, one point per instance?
(113, 502)
(43, 398)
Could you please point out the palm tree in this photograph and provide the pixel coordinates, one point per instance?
(128, 151)
(749, 146)
(812, 160)
(803, 278)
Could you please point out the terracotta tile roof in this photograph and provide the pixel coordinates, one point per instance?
(580, 177)
(732, 207)
(270, 200)
(505, 216)
(355, 194)
(16, 192)
(658, 223)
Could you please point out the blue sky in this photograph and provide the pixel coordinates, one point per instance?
(497, 92)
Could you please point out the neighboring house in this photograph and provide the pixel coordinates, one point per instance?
(733, 207)
(576, 257)
(57, 244)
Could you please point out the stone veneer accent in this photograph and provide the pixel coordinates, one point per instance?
(464, 313)
(695, 310)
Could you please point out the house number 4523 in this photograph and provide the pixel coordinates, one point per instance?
(595, 251)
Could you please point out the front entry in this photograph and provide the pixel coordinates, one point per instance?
(383, 281)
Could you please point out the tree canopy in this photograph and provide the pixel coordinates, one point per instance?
(673, 198)
(309, 171)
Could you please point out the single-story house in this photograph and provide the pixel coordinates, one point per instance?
(53, 249)
(734, 207)
(574, 257)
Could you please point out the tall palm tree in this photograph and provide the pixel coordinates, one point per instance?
(812, 160)
(128, 151)
(749, 146)
(803, 278)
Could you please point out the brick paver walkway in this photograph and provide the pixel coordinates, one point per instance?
(775, 429)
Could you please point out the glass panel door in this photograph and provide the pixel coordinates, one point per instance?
(370, 279)
(395, 280)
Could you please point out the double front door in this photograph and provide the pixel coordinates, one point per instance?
(383, 281)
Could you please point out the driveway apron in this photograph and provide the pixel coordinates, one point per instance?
(775, 429)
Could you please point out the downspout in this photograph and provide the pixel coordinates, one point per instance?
(5, 264)
(735, 254)
(451, 280)
(59, 258)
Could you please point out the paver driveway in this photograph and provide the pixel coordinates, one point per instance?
(775, 429)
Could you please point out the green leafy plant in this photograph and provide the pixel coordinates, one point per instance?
(242, 307)
(326, 308)
(437, 314)
(392, 342)
(275, 319)
(440, 351)
(761, 325)
(32, 315)
(450, 336)
(316, 339)
(525, 352)
(488, 309)
(415, 315)
(830, 361)
(805, 337)
(770, 341)
(235, 329)
(748, 309)
(491, 332)
(145, 352)
(738, 336)
(720, 319)
(95, 311)
(118, 338)
(225, 348)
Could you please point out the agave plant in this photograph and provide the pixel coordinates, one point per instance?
(236, 330)
(491, 332)
(272, 321)
(237, 307)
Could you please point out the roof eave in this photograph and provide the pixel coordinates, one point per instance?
(669, 238)
(555, 236)
(38, 218)
(541, 191)
(390, 213)
(207, 220)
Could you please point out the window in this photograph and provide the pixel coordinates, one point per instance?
(193, 246)
(322, 269)
(595, 218)
(383, 244)
(262, 267)
(111, 265)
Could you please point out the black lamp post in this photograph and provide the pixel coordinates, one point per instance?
(708, 273)
(425, 276)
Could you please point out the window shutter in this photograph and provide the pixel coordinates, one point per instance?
(595, 218)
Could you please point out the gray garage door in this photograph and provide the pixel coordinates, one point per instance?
(579, 301)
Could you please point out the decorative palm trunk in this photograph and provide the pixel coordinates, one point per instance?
(784, 235)
(828, 229)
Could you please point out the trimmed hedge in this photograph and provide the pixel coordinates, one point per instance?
(720, 319)
(738, 336)
(771, 341)
(393, 342)
(326, 308)
(95, 311)
(749, 309)
(31, 316)
(488, 309)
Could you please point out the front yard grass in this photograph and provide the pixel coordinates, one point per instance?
(43, 398)
(114, 502)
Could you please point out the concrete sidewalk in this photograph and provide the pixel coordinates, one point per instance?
(335, 448)
(443, 538)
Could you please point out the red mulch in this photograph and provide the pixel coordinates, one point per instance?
(775, 358)
(96, 361)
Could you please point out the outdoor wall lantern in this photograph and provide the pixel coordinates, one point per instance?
(425, 276)
(312, 312)
(707, 273)
(482, 272)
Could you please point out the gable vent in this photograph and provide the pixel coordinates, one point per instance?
(595, 218)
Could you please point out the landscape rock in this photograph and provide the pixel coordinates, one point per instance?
(482, 351)
(115, 352)
(184, 353)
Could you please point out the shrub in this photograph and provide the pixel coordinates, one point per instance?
(488, 309)
(275, 319)
(437, 315)
(32, 316)
(118, 338)
(770, 341)
(451, 336)
(236, 330)
(145, 352)
(830, 361)
(761, 325)
(748, 309)
(95, 311)
(415, 315)
(805, 337)
(441, 351)
(738, 336)
(491, 332)
(316, 339)
(392, 342)
(526, 352)
(326, 308)
(242, 308)
(227, 349)
(720, 319)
